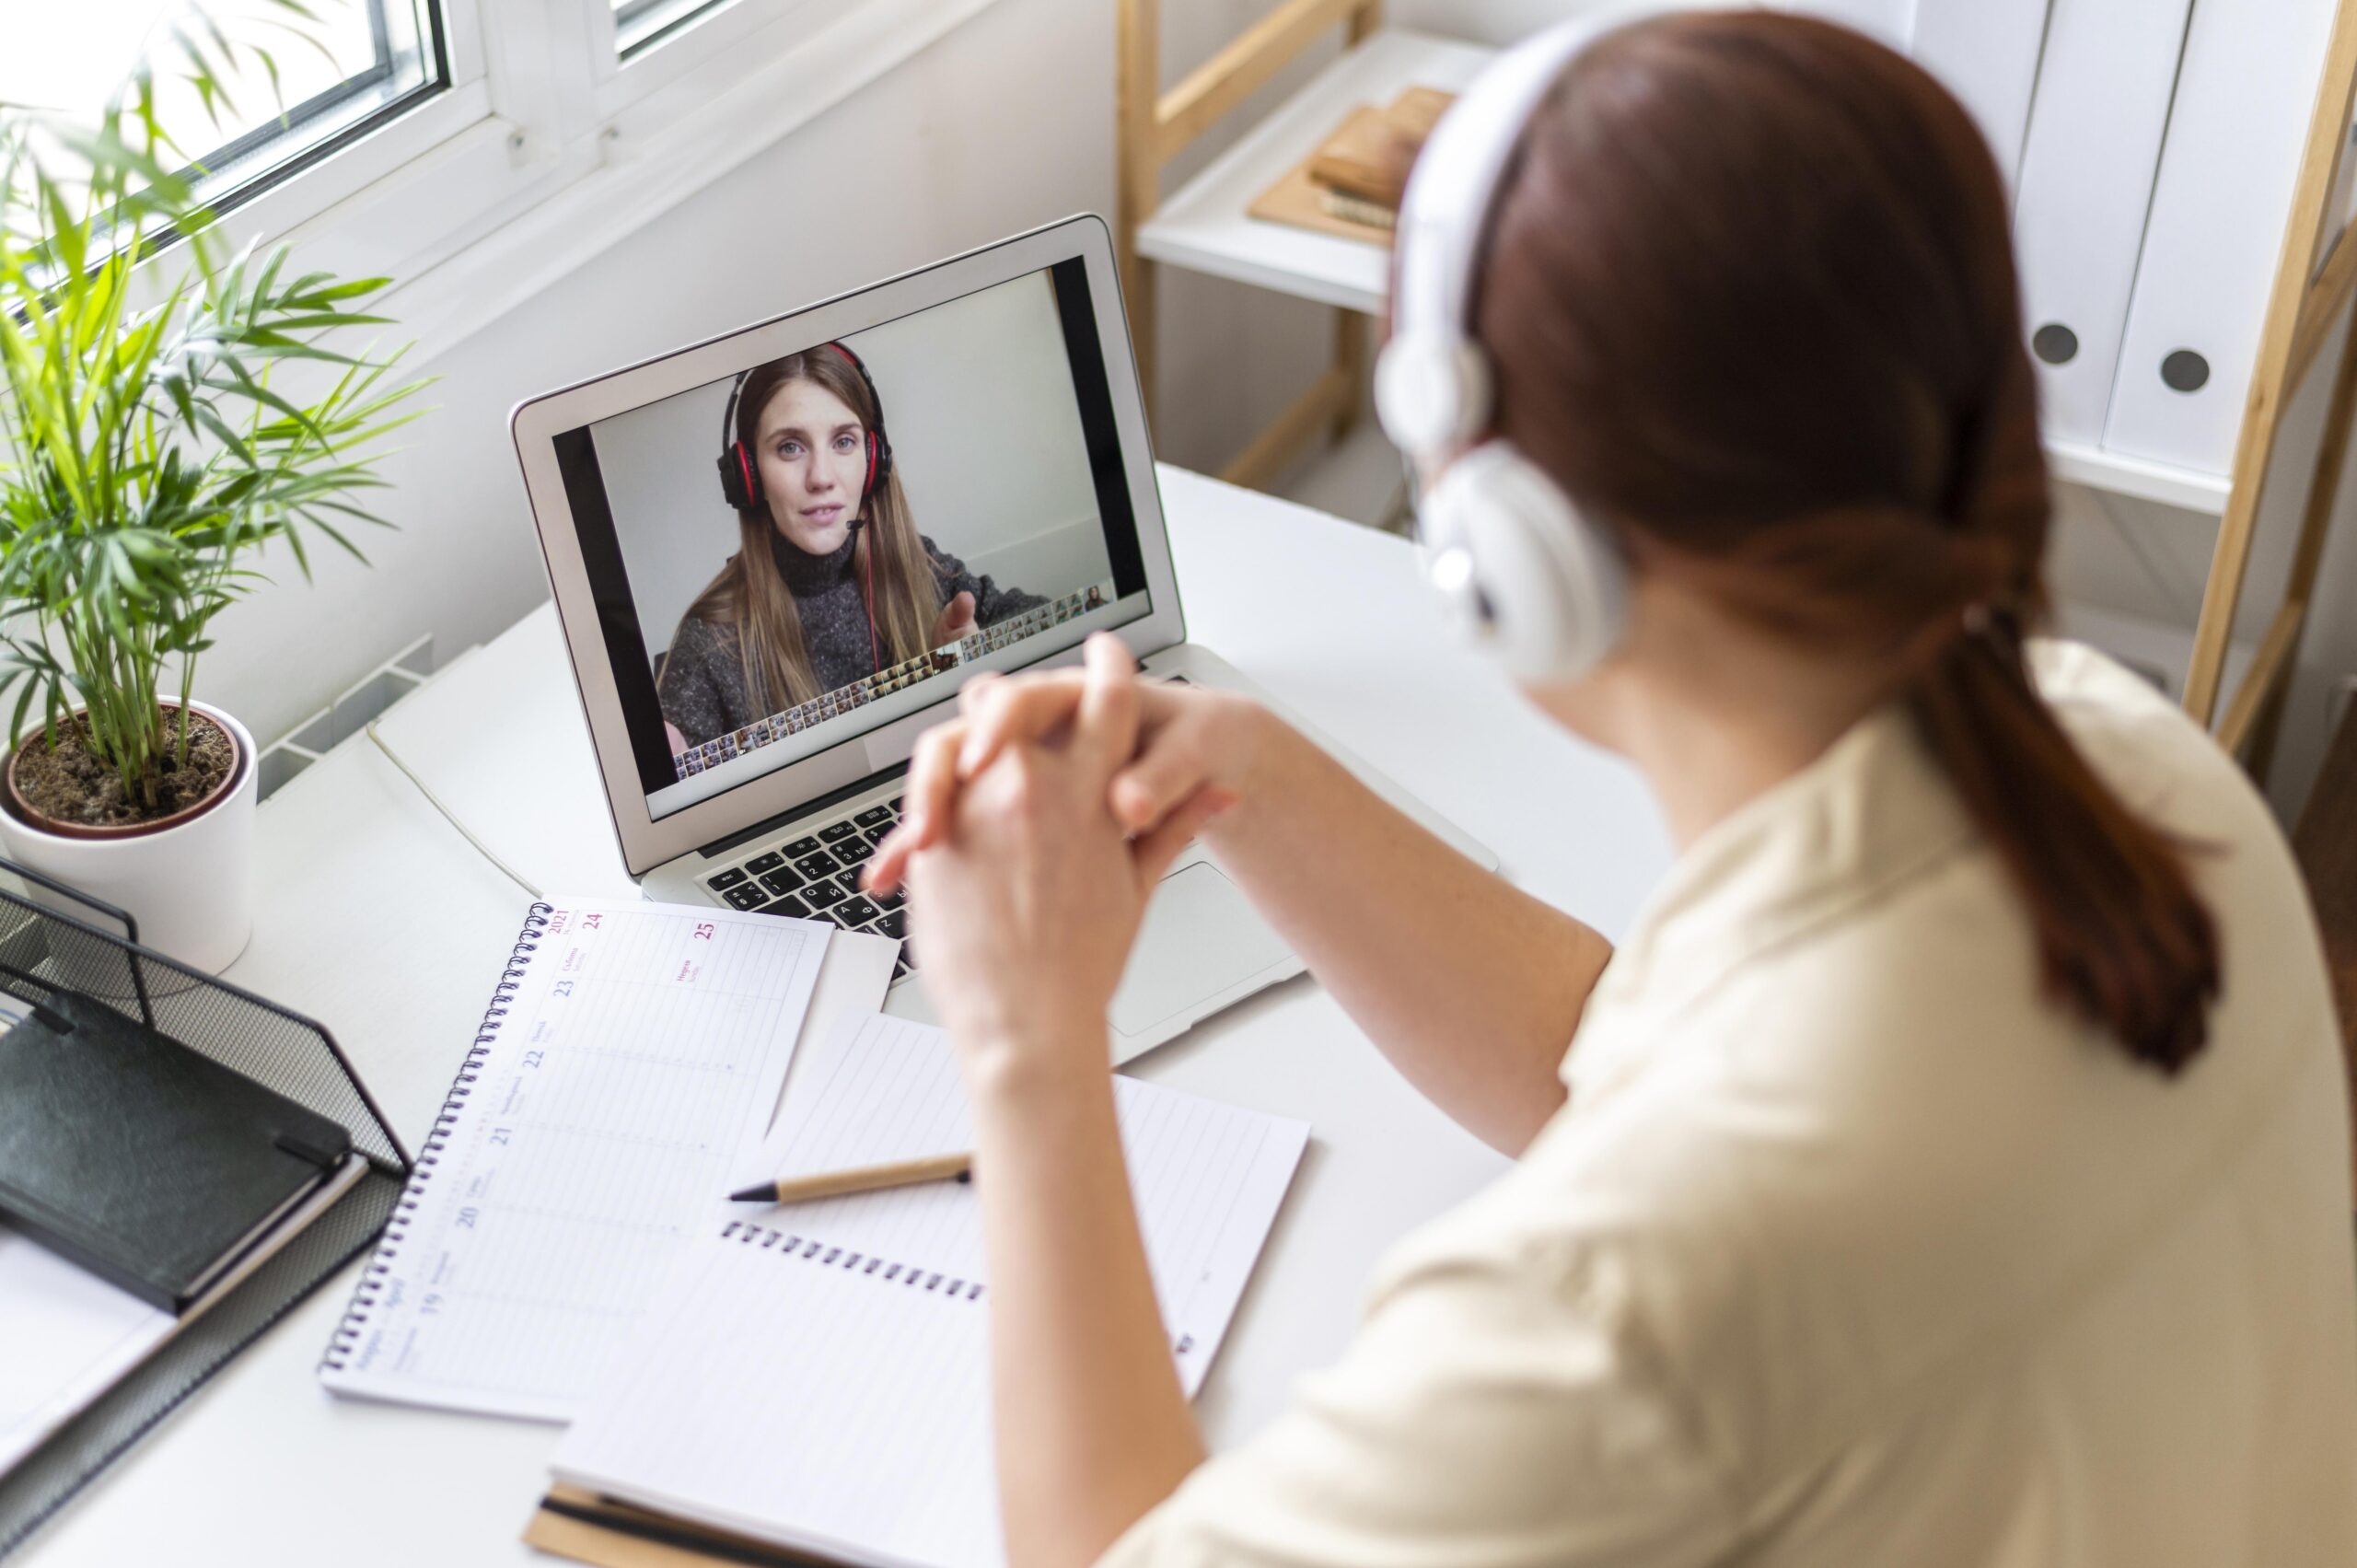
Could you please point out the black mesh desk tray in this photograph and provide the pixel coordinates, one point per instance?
(55, 942)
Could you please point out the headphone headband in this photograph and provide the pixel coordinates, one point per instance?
(1433, 387)
(740, 478)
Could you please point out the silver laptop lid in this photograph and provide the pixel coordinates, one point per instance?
(777, 554)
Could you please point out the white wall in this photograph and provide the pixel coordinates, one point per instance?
(986, 436)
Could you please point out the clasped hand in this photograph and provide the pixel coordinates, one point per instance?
(1033, 827)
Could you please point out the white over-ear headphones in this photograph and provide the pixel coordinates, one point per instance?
(1524, 573)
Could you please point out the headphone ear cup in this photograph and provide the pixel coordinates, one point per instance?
(1543, 588)
(875, 451)
(740, 478)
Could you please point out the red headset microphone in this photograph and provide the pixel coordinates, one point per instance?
(740, 480)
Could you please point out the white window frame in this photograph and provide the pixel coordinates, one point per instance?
(545, 148)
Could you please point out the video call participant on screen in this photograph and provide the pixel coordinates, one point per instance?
(831, 581)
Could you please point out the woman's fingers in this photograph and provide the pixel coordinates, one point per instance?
(977, 688)
(1157, 783)
(1107, 722)
(956, 620)
(1015, 713)
(924, 806)
(1153, 852)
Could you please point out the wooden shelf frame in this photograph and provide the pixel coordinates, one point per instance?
(2314, 282)
(1152, 127)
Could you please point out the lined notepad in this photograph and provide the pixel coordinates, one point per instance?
(631, 1055)
(822, 1380)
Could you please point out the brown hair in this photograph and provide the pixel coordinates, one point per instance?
(751, 594)
(1750, 299)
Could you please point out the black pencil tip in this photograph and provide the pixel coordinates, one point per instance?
(761, 1194)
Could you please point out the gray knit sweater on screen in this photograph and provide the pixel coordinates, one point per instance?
(703, 680)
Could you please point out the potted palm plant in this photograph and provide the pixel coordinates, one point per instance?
(166, 412)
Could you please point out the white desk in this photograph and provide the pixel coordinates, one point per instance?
(376, 917)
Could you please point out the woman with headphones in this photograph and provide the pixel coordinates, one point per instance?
(1951, 1166)
(831, 580)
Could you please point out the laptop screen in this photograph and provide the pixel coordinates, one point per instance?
(788, 558)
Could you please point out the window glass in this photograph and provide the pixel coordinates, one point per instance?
(302, 78)
(640, 24)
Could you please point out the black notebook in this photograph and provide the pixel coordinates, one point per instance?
(152, 1165)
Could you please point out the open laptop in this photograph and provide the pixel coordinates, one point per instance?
(1009, 406)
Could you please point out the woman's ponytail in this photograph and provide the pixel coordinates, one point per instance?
(2122, 939)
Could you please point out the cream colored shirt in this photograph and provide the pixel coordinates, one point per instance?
(1849, 1250)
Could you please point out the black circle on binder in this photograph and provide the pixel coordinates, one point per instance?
(2055, 343)
(2185, 371)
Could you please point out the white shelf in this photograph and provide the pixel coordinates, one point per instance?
(2196, 490)
(1203, 227)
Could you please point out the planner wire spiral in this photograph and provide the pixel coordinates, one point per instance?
(372, 1281)
(885, 1271)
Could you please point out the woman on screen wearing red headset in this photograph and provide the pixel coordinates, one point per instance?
(832, 581)
(1950, 1166)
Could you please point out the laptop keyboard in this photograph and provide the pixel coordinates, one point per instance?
(817, 877)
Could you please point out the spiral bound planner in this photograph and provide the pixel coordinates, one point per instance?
(820, 1383)
(629, 1061)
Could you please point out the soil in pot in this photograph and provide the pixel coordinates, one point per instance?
(68, 784)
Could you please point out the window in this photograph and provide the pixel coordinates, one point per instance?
(473, 151)
(290, 98)
(640, 24)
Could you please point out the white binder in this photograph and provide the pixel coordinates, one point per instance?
(1986, 51)
(2086, 187)
(2245, 93)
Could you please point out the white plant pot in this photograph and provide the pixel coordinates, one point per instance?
(191, 887)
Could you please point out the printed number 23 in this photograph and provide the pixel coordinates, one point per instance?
(563, 988)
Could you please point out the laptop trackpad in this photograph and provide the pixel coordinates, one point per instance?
(1201, 937)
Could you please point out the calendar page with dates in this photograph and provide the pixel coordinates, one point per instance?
(630, 1057)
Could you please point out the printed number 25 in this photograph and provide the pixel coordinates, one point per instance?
(704, 930)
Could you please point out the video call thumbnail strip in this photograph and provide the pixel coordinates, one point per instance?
(897, 678)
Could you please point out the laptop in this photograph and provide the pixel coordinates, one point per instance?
(756, 671)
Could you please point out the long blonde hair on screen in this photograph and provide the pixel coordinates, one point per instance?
(752, 594)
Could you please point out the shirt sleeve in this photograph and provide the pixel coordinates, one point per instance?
(992, 602)
(688, 694)
(1492, 1413)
